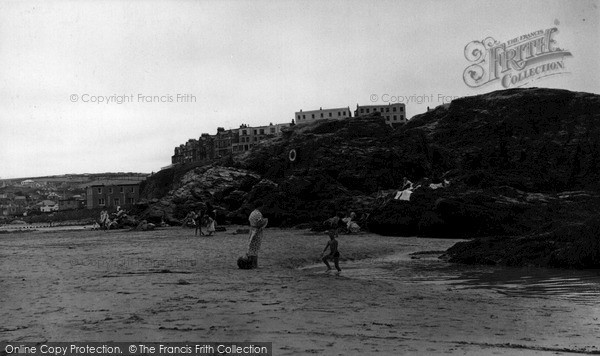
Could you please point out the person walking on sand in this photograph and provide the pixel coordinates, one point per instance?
(257, 225)
(334, 254)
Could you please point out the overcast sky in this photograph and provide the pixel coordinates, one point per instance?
(251, 62)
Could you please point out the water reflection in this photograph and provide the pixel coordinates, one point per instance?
(573, 285)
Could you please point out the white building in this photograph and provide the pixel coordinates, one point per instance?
(394, 114)
(308, 116)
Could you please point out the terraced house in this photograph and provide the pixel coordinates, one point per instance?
(394, 114)
(224, 142)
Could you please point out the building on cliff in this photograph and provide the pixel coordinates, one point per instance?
(250, 136)
(112, 193)
(394, 114)
(308, 116)
(224, 142)
(195, 150)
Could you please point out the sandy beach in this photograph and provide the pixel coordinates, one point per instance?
(167, 285)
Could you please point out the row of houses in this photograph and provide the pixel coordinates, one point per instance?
(224, 142)
(232, 141)
(20, 205)
(393, 114)
(99, 194)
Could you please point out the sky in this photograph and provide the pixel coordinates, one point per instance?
(168, 71)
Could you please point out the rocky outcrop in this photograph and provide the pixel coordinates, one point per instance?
(225, 187)
(521, 163)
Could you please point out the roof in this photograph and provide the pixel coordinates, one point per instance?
(327, 109)
(379, 106)
(100, 183)
(68, 199)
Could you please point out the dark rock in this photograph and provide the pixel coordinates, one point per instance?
(513, 158)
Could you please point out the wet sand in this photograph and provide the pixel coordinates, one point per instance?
(167, 285)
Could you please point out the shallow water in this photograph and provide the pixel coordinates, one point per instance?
(573, 285)
(578, 286)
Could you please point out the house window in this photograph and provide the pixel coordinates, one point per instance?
(255, 132)
(367, 111)
(122, 190)
(255, 139)
(262, 131)
(395, 118)
(394, 109)
(298, 117)
(117, 201)
(272, 130)
(304, 116)
(321, 114)
(132, 189)
(402, 108)
(244, 132)
(362, 111)
(110, 190)
(329, 114)
(101, 201)
(99, 190)
(313, 116)
(129, 200)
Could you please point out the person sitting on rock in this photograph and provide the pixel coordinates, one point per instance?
(351, 225)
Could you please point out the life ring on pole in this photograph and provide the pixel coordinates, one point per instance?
(292, 155)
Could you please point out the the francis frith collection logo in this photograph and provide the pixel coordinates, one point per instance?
(516, 62)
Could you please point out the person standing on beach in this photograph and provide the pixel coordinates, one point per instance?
(257, 225)
(104, 219)
(209, 222)
(334, 254)
(198, 222)
(211, 218)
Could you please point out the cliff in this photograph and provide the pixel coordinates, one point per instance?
(522, 166)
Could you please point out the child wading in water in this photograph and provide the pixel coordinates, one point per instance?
(334, 254)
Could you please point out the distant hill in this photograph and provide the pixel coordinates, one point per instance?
(76, 178)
